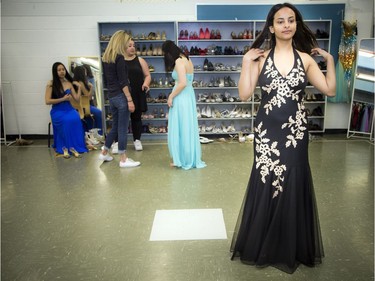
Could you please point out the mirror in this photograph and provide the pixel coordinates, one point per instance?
(94, 64)
(361, 121)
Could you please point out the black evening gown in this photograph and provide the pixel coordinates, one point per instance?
(278, 224)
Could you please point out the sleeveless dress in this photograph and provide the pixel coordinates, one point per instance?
(67, 128)
(136, 79)
(183, 134)
(278, 224)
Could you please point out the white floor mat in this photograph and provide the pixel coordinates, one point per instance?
(193, 224)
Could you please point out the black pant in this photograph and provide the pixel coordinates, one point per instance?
(136, 122)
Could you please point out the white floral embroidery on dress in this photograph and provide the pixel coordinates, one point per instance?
(283, 87)
(265, 163)
(297, 127)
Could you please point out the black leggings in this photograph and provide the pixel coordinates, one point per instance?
(136, 123)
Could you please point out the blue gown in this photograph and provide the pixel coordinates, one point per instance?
(67, 128)
(183, 134)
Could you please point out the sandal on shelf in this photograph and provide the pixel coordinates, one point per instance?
(75, 152)
(66, 154)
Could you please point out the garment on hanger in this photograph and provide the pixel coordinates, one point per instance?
(346, 64)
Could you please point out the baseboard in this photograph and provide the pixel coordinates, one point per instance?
(35, 137)
(335, 131)
(44, 137)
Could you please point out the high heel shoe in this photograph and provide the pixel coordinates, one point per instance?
(201, 33)
(207, 34)
(218, 34)
(66, 154)
(181, 37)
(75, 152)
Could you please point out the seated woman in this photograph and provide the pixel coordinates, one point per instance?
(80, 75)
(68, 133)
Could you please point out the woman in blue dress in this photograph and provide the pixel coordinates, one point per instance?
(68, 133)
(183, 134)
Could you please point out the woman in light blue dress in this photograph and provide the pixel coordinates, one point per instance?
(183, 134)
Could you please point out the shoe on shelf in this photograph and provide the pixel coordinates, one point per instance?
(138, 145)
(106, 158)
(129, 163)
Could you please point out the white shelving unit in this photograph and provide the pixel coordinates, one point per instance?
(148, 37)
(216, 49)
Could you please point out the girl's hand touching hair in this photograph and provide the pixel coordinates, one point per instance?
(253, 55)
(321, 52)
(76, 83)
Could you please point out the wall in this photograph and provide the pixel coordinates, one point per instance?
(36, 33)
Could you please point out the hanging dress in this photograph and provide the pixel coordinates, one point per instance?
(278, 223)
(183, 134)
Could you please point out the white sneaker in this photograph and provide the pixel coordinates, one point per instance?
(115, 148)
(129, 163)
(204, 140)
(138, 145)
(106, 157)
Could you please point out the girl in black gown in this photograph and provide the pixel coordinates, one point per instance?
(278, 224)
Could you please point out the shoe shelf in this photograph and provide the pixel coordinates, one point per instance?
(148, 38)
(216, 49)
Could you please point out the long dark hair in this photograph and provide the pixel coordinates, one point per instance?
(88, 70)
(57, 86)
(171, 53)
(303, 40)
(80, 76)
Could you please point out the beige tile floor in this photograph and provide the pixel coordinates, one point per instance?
(76, 219)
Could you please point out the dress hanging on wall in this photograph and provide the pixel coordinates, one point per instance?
(346, 64)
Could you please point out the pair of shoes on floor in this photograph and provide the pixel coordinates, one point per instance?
(205, 140)
(129, 163)
(95, 133)
(90, 139)
(138, 145)
(105, 158)
(75, 152)
(23, 142)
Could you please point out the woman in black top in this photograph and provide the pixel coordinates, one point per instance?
(139, 78)
(120, 100)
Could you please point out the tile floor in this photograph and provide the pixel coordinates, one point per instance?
(78, 219)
